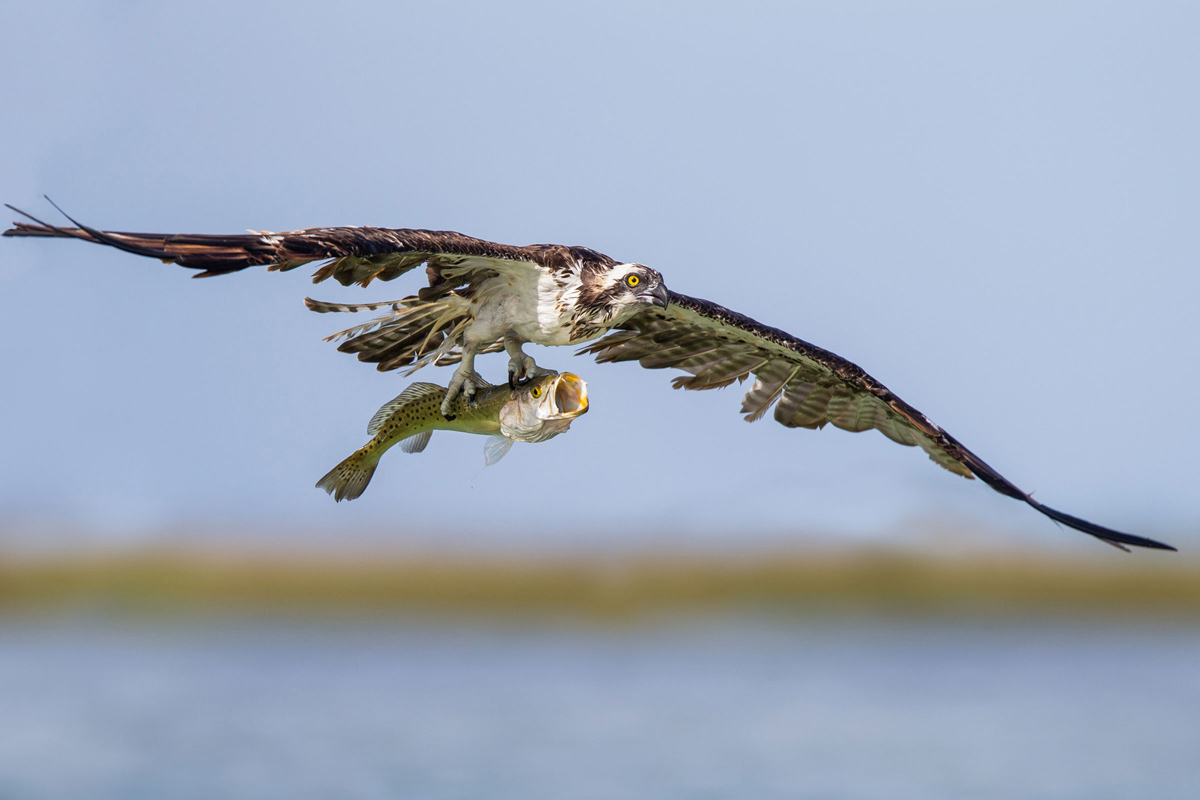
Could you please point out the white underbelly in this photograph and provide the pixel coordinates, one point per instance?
(520, 307)
(539, 333)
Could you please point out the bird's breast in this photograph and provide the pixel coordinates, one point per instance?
(535, 309)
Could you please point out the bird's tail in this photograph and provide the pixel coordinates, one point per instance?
(349, 479)
(412, 333)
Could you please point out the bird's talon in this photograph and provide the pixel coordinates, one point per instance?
(461, 383)
(522, 369)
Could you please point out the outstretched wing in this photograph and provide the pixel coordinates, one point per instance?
(808, 387)
(420, 329)
(353, 254)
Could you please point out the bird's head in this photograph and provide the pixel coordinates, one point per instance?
(625, 289)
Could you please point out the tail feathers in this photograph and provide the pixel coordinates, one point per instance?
(411, 333)
(349, 479)
(323, 307)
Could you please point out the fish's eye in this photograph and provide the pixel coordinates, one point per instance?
(632, 280)
(536, 391)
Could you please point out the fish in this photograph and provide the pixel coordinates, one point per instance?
(531, 411)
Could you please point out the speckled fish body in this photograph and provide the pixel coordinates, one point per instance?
(532, 412)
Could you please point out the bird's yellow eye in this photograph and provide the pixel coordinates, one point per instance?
(633, 280)
(537, 391)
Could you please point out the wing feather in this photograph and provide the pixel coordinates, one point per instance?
(353, 254)
(768, 385)
(808, 387)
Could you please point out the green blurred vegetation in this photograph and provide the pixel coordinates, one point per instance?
(876, 581)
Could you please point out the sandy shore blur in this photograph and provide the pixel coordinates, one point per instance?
(789, 580)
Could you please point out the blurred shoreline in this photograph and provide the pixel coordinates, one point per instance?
(811, 578)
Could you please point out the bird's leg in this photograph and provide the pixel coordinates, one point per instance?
(521, 367)
(465, 380)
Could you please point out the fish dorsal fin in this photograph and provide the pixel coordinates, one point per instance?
(409, 395)
(417, 443)
(495, 448)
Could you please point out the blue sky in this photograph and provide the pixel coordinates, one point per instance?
(990, 207)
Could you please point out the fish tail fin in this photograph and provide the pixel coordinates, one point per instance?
(349, 479)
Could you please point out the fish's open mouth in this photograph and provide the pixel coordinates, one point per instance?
(570, 395)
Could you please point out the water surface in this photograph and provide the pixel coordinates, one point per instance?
(834, 708)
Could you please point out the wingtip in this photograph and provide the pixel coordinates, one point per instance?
(1122, 541)
(24, 228)
(1153, 544)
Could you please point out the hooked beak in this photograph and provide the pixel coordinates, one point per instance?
(658, 296)
(570, 395)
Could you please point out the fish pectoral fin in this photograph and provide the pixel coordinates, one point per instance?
(416, 443)
(495, 449)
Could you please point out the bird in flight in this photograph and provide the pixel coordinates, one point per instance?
(483, 297)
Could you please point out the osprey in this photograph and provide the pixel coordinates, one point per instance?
(483, 297)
